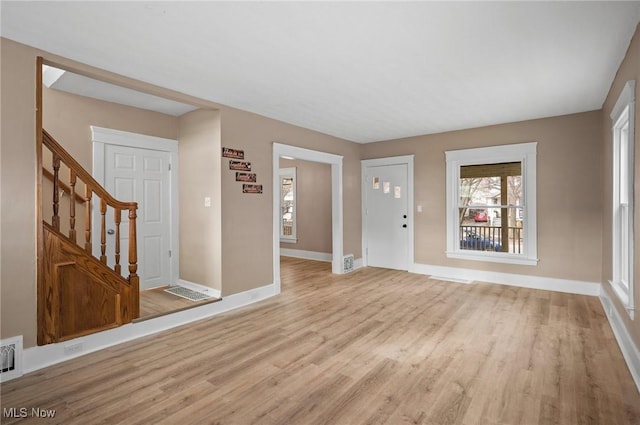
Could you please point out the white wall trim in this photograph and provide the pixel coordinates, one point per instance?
(123, 138)
(106, 136)
(522, 152)
(622, 214)
(630, 351)
(512, 279)
(336, 202)
(308, 255)
(376, 162)
(199, 288)
(36, 358)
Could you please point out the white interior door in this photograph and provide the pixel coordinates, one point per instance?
(143, 176)
(386, 215)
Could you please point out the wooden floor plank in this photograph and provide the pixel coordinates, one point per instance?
(371, 347)
(157, 302)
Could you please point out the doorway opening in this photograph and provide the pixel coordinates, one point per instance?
(335, 162)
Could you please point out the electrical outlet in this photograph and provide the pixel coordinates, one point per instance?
(73, 348)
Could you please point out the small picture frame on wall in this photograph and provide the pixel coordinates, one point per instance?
(239, 165)
(246, 177)
(251, 188)
(232, 153)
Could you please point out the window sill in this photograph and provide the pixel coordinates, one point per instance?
(289, 240)
(493, 257)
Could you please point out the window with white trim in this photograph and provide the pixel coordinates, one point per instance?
(288, 205)
(622, 117)
(491, 204)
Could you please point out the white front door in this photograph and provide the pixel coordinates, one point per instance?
(143, 176)
(386, 214)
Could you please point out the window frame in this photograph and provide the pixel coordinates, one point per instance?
(622, 251)
(289, 172)
(521, 152)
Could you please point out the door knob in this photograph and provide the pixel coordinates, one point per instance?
(110, 232)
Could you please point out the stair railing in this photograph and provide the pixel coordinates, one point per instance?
(77, 174)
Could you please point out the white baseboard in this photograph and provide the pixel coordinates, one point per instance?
(525, 281)
(630, 351)
(35, 358)
(450, 279)
(317, 256)
(307, 255)
(213, 292)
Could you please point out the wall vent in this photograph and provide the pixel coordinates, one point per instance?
(10, 358)
(347, 263)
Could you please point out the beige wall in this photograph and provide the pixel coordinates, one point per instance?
(67, 117)
(569, 179)
(629, 70)
(247, 234)
(17, 143)
(313, 203)
(200, 226)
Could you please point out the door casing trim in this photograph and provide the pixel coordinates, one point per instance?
(101, 137)
(394, 160)
(335, 161)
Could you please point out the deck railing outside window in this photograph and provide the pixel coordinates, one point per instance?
(489, 238)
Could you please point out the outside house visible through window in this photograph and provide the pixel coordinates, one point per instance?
(491, 197)
(288, 204)
(490, 208)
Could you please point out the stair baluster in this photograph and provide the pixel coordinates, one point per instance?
(103, 231)
(117, 215)
(72, 205)
(87, 218)
(55, 220)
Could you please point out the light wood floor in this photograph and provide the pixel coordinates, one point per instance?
(372, 347)
(156, 302)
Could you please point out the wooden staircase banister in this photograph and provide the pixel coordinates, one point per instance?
(83, 175)
(78, 292)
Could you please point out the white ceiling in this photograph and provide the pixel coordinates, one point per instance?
(363, 71)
